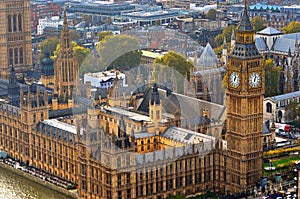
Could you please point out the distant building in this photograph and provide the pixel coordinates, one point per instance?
(43, 10)
(274, 107)
(104, 79)
(54, 22)
(100, 10)
(275, 15)
(284, 50)
(153, 18)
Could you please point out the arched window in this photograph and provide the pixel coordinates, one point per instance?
(20, 22)
(15, 23)
(119, 162)
(9, 23)
(269, 107)
(10, 56)
(21, 55)
(16, 56)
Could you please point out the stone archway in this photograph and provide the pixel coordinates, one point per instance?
(279, 116)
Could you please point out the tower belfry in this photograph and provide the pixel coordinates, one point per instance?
(15, 43)
(245, 94)
(66, 70)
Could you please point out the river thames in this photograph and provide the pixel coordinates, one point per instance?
(13, 186)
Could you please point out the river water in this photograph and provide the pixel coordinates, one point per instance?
(13, 186)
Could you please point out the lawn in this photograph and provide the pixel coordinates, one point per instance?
(283, 160)
(280, 165)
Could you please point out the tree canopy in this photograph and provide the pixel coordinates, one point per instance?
(172, 61)
(74, 35)
(103, 34)
(272, 75)
(87, 18)
(293, 27)
(211, 14)
(119, 51)
(49, 44)
(227, 33)
(258, 23)
(292, 111)
(80, 52)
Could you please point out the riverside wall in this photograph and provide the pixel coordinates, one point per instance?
(39, 181)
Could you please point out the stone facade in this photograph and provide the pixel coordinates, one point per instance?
(15, 43)
(66, 71)
(245, 94)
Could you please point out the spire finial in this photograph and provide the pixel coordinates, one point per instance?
(224, 43)
(65, 17)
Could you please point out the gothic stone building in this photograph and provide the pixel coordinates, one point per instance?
(15, 43)
(161, 144)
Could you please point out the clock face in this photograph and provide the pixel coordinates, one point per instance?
(234, 79)
(254, 80)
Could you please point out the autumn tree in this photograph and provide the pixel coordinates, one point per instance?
(119, 51)
(272, 74)
(49, 45)
(80, 52)
(103, 34)
(211, 14)
(74, 35)
(293, 27)
(227, 33)
(258, 23)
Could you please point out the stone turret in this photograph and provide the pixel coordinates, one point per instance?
(155, 108)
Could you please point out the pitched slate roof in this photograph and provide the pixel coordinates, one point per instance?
(269, 31)
(208, 57)
(286, 96)
(283, 45)
(261, 44)
(189, 107)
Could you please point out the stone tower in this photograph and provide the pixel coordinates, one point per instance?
(15, 42)
(245, 93)
(13, 89)
(155, 108)
(66, 70)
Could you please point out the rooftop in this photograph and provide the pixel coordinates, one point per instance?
(61, 125)
(186, 136)
(269, 31)
(129, 114)
(286, 96)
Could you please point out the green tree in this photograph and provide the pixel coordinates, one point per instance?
(103, 34)
(272, 74)
(87, 18)
(227, 33)
(172, 61)
(258, 23)
(80, 52)
(74, 35)
(119, 51)
(211, 14)
(293, 27)
(49, 44)
(292, 111)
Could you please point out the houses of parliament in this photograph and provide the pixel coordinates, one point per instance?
(149, 143)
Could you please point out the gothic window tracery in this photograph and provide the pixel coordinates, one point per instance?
(20, 22)
(15, 23)
(9, 23)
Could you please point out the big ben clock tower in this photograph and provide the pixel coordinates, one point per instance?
(245, 93)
